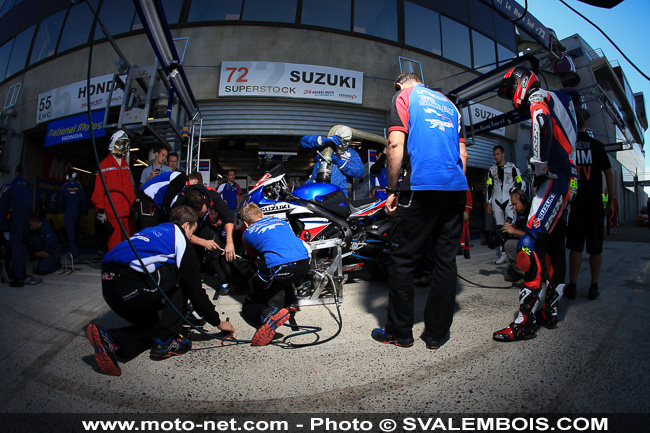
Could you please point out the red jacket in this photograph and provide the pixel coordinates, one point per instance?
(120, 186)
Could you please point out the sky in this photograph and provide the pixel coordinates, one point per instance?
(627, 24)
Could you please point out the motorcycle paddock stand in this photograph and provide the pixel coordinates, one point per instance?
(326, 284)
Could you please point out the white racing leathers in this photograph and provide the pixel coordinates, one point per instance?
(500, 180)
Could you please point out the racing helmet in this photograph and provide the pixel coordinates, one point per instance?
(119, 144)
(517, 85)
(345, 132)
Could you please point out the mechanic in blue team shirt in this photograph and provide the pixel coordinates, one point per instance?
(72, 199)
(425, 147)
(283, 260)
(45, 246)
(16, 206)
(231, 193)
(132, 295)
(346, 161)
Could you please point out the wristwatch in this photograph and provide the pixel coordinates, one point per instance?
(390, 190)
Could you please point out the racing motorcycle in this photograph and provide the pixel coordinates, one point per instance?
(320, 211)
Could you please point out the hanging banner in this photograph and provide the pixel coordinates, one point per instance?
(72, 99)
(74, 128)
(290, 80)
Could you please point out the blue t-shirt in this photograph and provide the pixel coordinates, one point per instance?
(431, 123)
(156, 246)
(229, 194)
(275, 242)
(72, 198)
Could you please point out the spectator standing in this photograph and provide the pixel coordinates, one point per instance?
(172, 161)
(72, 199)
(16, 207)
(424, 144)
(45, 246)
(586, 218)
(157, 165)
(117, 176)
(502, 176)
(231, 193)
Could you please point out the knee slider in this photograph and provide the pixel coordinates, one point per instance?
(526, 250)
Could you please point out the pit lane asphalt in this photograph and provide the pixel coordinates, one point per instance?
(596, 361)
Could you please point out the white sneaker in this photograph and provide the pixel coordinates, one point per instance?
(501, 260)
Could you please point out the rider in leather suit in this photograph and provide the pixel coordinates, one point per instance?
(554, 136)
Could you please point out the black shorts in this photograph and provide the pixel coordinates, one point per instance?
(586, 224)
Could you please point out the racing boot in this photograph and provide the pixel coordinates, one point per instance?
(524, 326)
(547, 315)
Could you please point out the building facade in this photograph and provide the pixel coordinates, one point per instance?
(263, 73)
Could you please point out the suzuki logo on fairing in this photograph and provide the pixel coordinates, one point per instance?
(275, 208)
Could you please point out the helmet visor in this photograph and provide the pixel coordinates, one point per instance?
(121, 145)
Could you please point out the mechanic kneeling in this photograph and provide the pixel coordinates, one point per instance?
(129, 291)
(283, 260)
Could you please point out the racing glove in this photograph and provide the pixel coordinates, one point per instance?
(311, 142)
(538, 167)
(335, 140)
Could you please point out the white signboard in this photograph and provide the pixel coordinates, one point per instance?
(289, 80)
(71, 99)
(480, 113)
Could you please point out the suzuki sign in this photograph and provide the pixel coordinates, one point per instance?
(289, 80)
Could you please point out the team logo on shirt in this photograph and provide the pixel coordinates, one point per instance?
(442, 123)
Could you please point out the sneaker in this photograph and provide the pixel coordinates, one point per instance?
(515, 332)
(570, 291)
(593, 291)
(501, 260)
(193, 317)
(171, 347)
(104, 349)
(16, 283)
(466, 254)
(380, 334)
(32, 280)
(430, 342)
(273, 320)
(230, 289)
